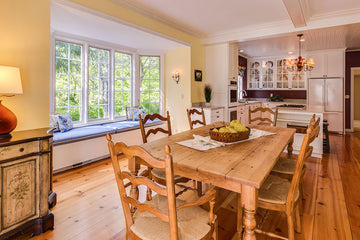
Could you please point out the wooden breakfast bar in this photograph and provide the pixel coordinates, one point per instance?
(241, 167)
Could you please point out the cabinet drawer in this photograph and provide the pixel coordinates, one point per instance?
(17, 150)
(217, 112)
(217, 118)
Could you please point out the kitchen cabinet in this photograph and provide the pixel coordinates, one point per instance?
(233, 63)
(25, 172)
(336, 121)
(286, 79)
(271, 73)
(213, 114)
(243, 114)
(261, 74)
(221, 64)
(327, 63)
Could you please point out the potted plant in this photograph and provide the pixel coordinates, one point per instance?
(207, 94)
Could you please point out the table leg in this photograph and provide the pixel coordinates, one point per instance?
(249, 197)
(290, 147)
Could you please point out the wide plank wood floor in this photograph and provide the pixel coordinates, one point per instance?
(89, 205)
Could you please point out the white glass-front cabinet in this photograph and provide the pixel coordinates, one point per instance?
(286, 79)
(272, 74)
(261, 74)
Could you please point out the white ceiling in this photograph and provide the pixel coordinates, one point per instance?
(262, 27)
(74, 20)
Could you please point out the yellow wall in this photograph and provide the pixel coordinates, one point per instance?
(25, 43)
(177, 97)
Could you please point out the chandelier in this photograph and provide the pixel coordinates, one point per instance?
(300, 64)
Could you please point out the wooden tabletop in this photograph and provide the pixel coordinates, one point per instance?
(228, 167)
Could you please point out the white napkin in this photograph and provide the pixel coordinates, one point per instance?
(201, 143)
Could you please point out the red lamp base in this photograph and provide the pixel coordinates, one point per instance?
(8, 122)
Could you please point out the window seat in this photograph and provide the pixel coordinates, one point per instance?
(86, 144)
(86, 132)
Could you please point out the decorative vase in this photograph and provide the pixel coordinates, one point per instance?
(207, 104)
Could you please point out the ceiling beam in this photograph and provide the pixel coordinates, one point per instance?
(296, 12)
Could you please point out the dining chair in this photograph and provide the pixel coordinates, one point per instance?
(285, 167)
(164, 217)
(158, 175)
(256, 115)
(146, 133)
(278, 194)
(197, 121)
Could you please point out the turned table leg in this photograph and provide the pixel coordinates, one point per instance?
(249, 202)
(290, 147)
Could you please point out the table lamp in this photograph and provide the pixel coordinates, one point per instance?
(10, 85)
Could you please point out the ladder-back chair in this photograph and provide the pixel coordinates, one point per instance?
(164, 217)
(263, 120)
(278, 194)
(197, 121)
(157, 174)
(145, 134)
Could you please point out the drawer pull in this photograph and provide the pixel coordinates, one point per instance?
(217, 116)
(21, 149)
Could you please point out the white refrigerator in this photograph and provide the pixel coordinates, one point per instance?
(328, 94)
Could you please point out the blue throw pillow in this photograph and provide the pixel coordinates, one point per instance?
(136, 112)
(65, 122)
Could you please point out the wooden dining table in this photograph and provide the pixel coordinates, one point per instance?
(241, 167)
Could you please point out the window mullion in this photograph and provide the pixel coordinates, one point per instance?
(85, 89)
(135, 88)
(111, 85)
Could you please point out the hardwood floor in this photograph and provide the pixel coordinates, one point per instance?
(89, 205)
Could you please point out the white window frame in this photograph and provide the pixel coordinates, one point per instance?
(135, 76)
(161, 84)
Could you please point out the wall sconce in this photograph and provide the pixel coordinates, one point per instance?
(10, 85)
(176, 76)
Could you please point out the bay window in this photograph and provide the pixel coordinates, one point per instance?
(95, 83)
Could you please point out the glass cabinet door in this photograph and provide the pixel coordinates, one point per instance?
(282, 74)
(298, 80)
(254, 75)
(267, 74)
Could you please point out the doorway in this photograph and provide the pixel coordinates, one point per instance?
(355, 99)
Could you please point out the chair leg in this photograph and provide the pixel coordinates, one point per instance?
(301, 197)
(215, 233)
(297, 218)
(290, 220)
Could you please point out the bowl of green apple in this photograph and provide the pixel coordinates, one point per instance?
(234, 132)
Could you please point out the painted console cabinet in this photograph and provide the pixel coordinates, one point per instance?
(25, 173)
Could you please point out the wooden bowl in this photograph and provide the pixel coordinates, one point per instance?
(229, 137)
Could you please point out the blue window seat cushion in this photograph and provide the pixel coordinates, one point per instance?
(86, 131)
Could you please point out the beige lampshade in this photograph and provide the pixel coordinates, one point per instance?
(10, 81)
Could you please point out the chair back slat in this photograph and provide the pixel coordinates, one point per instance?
(130, 200)
(194, 122)
(145, 134)
(262, 110)
(136, 181)
(305, 152)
